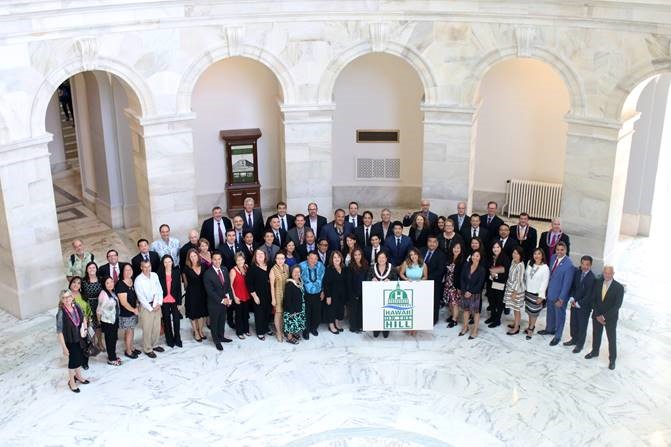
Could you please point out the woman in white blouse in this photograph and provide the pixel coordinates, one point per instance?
(537, 276)
(514, 295)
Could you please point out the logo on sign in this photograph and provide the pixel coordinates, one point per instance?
(398, 308)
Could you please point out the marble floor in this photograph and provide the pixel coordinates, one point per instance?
(435, 389)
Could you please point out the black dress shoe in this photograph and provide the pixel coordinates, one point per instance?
(159, 349)
(494, 324)
(611, 365)
(151, 354)
(554, 342)
(137, 352)
(569, 343)
(306, 336)
(451, 324)
(545, 332)
(171, 345)
(592, 355)
(315, 333)
(576, 350)
(385, 334)
(470, 337)
(376, 334)
(132, 355)
(219, 347)
(226, 340)
(489, 320)
(178, 343)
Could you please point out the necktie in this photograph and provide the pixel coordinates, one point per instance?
(239, 236)
(583, 276)
(554, 266)
(604, 289)
(503, 243)
(353, 221)
(474, 235)
(220, 233)
(146, 257)
(310, 247)
(374, 255)
(221, 276)
(300, 236)
(232, 248)
(489, 220)
(427, 257)
(277, 236)
(249, 220)
(115, 275)
(365, 241)
(398, 242)
(284, 225)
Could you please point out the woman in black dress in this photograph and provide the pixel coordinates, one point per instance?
(129, 310)
(498, 276)
(91, 288)
(258, 284)
(70, 325)
(336, 285)
(358, 269)
(419, 232)
(196, 298)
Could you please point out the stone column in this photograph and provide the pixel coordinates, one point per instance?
(308, 134)
(595, 176)
(448, 163)
(31, 263)
(165, 173)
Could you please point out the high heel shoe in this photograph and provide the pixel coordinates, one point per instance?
(461, 334)
(513, 333)
(83, 382)
(74, 390)
(529, 331)
(336, 332)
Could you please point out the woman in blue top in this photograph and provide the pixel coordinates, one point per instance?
(413, 269)
(472, 280)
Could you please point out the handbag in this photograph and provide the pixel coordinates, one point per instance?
(88, 346)
(498, 285)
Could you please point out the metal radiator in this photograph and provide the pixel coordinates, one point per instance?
(540, 200)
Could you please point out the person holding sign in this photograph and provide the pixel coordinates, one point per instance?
(413, 269)
(382, 270)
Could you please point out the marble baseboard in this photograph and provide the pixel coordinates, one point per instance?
(377, 196)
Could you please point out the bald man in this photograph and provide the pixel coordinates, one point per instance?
(461, 219)
(608, 296)
(192, 243)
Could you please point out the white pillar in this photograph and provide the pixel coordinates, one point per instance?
(595, 175)
(447, 170)
(165, 173)
(308, 134)
(31, 264)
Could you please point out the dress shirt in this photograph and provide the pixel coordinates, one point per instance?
(314, 224)
(312, 277)
(373, 252)
(148, 290)
(219, 224)
(353, 220)
(167, 248)
(283, 222)
(475, 231)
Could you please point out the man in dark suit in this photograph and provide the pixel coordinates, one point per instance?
(248, 246)
(525, 235)
(398, 245)
(309, 244)
(239, 228)
(435, 262)
(219, 297)
(287, 221)
(508, 244)
(297, 233)
(279, 235)
(559, 287)
(383, 228)
(323, 251)
(145, 253)
(365, 230)
(253, 219)
(607, 298)
(314, 220)
(192, 243)
(354, 218)
(430, 217)
(113, 268)
(214, 228)
(475, 230)
(549, 239)
(580, 303)
(228, 250)
(461, 220)
(336, 230)
(491, 222)
(374, 248)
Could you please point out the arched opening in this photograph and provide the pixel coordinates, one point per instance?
(93, 161)
(378, 91)
(237, 93)
(521, 131)
(648, 186)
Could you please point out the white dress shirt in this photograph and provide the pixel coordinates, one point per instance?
(148, 290)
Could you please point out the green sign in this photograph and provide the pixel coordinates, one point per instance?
(398, 308)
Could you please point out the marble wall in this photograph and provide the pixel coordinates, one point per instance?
(602, 51)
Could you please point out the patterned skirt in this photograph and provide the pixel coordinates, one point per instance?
(294, 323)
(128, 322)
(452, 296)
(471, 304)
(530, 304)
(516, 303)
(93, 302)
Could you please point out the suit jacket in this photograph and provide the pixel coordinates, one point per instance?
(493, 226)
(359, 220)
(248, 253)
(214, 290)
(207, 230)
(292, 235)
(431, 224)
(529, 244)
(419, 240)
(104, 270)
(360, 234)
(483, 234)
(329, 232)
(228, 255)
(379, 230)
(583, 289)
(561, 279)
(368, 251)
(321, 221)
(154, 259)
(455, 218)
(435, 266)
(258, 225)
(291, 221)
(283, 238)
(543, 243)
(326, 259)
(303, 250)
(175, 285)
(610, 306)
(270, 252)
(398, 254)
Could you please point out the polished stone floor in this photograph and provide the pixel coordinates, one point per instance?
(435, 389)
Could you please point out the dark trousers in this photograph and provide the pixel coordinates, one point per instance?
(171, 316)
(262, 312)
(313, 311)
(597, 332)
(111, 332)
(67, 108)
(355, 318)
(217, 322)
(242, 317)
(232, 315)
(495, 298)
(579, 322)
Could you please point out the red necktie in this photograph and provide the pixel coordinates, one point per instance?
(221, 277)
(115, 275)
(555, 265)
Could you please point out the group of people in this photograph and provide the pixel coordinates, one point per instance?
(295, 272)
